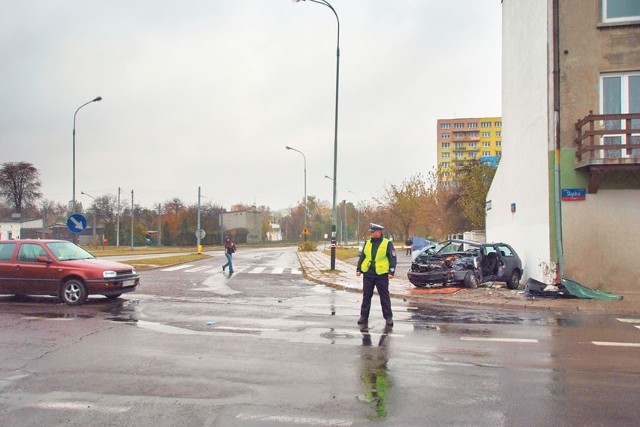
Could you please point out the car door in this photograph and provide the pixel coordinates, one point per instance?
(35, 276)
(509, 260)
(7, 268)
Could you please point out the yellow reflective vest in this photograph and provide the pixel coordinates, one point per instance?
(381, 261)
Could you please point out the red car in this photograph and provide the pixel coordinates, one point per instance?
(61, 268)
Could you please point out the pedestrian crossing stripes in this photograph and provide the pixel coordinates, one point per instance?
(251, 269)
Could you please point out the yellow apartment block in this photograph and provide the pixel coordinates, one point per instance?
(463, 140)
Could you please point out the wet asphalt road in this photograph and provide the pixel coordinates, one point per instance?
(266, 347)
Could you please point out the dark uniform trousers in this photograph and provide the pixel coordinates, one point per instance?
(382, 284)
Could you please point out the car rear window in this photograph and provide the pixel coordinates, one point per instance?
(6, 250)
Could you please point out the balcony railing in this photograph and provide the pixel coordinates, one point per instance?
(607, 142)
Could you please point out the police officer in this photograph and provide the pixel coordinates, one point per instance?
(377, 264)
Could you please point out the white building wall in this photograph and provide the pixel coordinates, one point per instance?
(522, 177)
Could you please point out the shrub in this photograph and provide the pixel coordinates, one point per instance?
(307, 246)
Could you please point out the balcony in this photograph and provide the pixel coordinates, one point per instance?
(606, 143)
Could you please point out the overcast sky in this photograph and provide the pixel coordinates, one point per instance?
(207, 93)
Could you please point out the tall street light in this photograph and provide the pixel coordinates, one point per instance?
(95, 213)
(73, 202)
(305, 187)
(335, 135)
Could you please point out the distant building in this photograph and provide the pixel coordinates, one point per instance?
(11, 228)
(466, 139)
(275, 233)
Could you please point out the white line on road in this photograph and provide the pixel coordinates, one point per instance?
(202, 267)
(257, 270)
(628, 320)
(616, 344)
(277, 270)
(177, 267)
(505, 340)
(82, 406)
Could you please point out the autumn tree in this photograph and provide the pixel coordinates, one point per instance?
(20, 184)
(403, 203)
(474, 180)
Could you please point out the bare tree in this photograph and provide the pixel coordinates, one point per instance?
(20, 184)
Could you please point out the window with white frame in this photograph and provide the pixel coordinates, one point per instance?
(497, 124)
(459, 154)
(446, 135)
(486, 154)
(472, 125)
(446, 144)
(459, 145)
(458, 125)
(620, 10)
(445, 126)
(473, 134)
(473, 154)
(620, 94)
(485, 124)
(446, 155)
(498, 143)
(445, 164)
(486, 134)
(473, 145)
(486, 144)
(498, 153)
(498, 133)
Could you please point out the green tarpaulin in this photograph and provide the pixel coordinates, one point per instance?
(577, 290)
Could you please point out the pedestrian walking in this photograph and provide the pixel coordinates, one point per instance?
(377, 264)
(229, 249)
(409, 245)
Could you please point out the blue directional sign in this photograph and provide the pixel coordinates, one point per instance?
(77, 223)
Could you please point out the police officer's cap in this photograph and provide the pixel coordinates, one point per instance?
(376, 227)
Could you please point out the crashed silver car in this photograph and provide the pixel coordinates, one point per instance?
(467, 263)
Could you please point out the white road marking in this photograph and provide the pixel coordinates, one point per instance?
(177, 267)
(628, 320)
(295, 271)
(82, 406)
(257, 270)
(616, 344)
(295, 420)
(202, 267)
(277, 270)
(505, 340)
(46, 318)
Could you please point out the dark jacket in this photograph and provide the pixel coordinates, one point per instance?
(391, 255)
(229, 247)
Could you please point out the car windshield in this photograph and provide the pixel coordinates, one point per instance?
(457, 246)
(67, 251)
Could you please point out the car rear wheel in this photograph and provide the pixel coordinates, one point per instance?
(73, 292)
(514, 280)
(471, 280)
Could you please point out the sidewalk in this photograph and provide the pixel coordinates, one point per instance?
(316, 268)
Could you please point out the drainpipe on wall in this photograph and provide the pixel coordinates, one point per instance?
(556, 136)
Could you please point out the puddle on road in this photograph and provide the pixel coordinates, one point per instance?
(54, 316)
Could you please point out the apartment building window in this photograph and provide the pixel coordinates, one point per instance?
(486, 134)
(473, 145)
(459, 154)
(486, 144)
(473, 134)
(499, 153)
(446, 144)
(458, 125)
(446, 173)
(498, 124)
(498, 133)
(458, 135)
(472, 125)
(620, 10)
(446, 155)
(445, 165)
(498, 143)
(486, 154)
(473, 154)
(445, 126)
(620, 94)
(446, 135)
(459, 145)
(485, 124)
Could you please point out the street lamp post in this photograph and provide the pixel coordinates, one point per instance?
(335, 135)
(357, 217)
(305, 187)
(95, 213)
(73, 202)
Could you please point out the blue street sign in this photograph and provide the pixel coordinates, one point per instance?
(573, 194)
(77, 223)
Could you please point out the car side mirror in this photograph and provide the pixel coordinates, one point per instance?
(44, 259)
